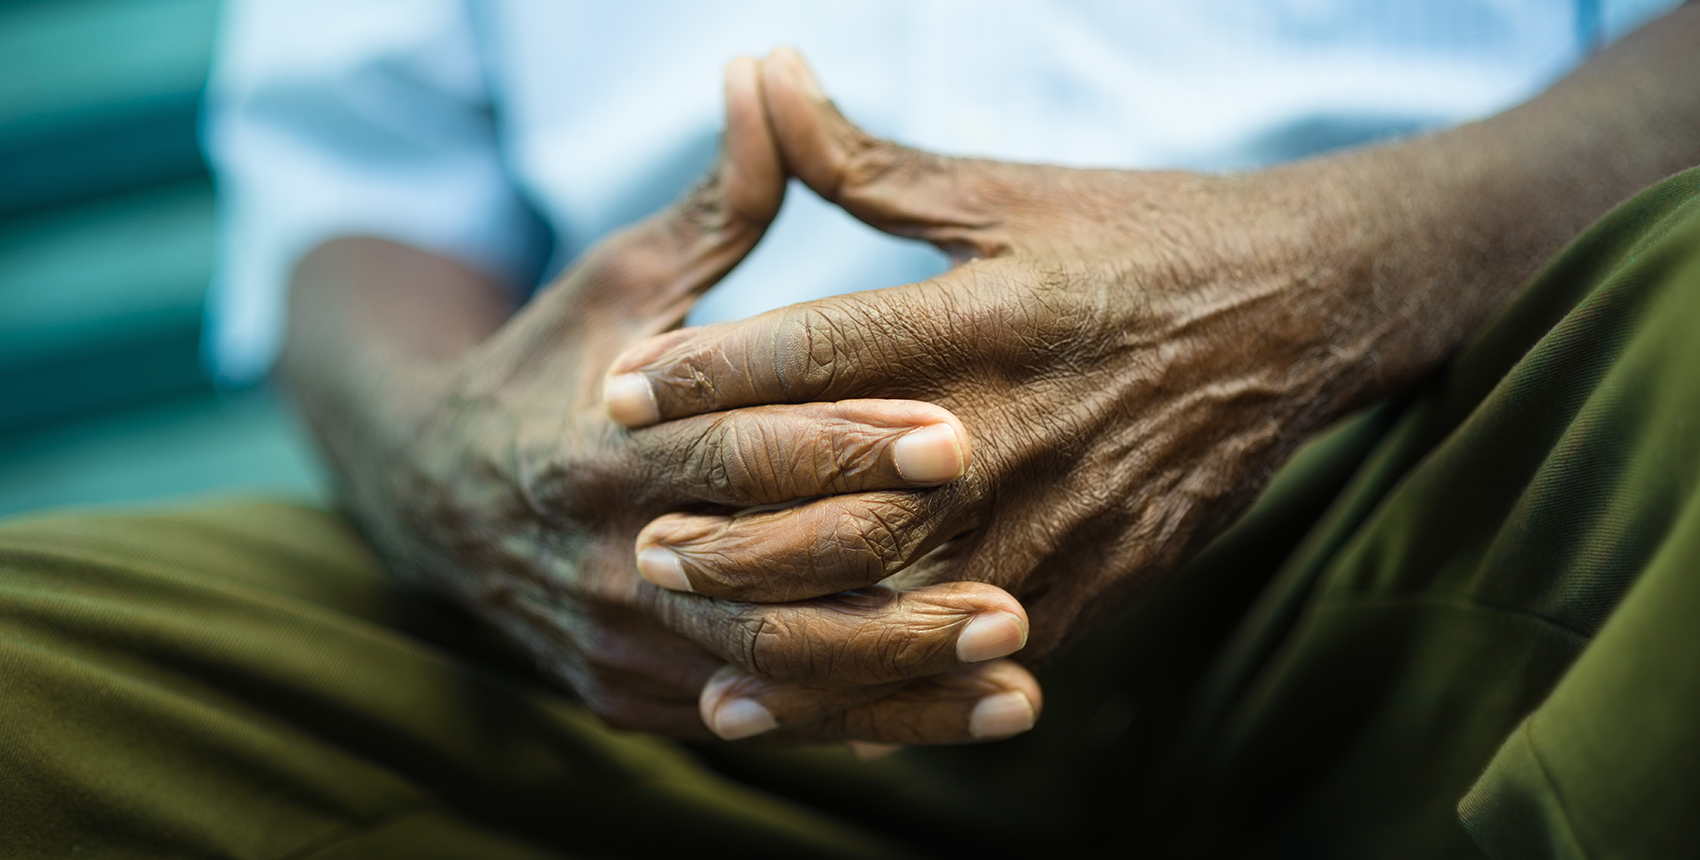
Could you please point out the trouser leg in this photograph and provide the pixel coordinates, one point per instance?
(242, 682)
(1522, 542)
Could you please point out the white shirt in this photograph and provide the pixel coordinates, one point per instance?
(512, 134)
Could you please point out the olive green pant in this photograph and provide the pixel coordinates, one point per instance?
(1465, 623)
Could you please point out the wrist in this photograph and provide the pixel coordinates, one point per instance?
(1394, 255)
(379, 338)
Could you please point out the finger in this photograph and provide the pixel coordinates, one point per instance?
(869, 636)
(653, 271)
(634, 711)
(735, 704)
(989, 701)
(627, 668)
(895, 344)
(777, 454)
(981, 703)
(753, 174)
(822, 547)
(894, 188)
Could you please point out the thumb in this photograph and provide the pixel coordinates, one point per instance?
(951, 202)
(652, 272)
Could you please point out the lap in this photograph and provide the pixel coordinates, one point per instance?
(244, 681)
(1478, 594)
(1525, 531)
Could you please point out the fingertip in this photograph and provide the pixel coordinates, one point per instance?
(662, 567)
(804, 122)
(991, 635)
(1014, 677)
(931, 454)
(755, 185)
(1002, 715)
(995, 599)
(743, 84)
(782, 58)
(630, 400)
(714, 691)
(792, 64)
(716, 687)
(737, 719)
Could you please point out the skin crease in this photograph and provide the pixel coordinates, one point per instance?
(479, 462)
(1134, 353)
(1220, 319)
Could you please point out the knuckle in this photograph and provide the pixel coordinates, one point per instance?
(867, 160)
(815, 650)
(726, 574)
(807, 357)
(702, 210)
(888, 651)
(688, 383)
(563, 485)
(829, 350)
(760, 640)
(1037, 306)
(908, 652)
(862, 544)
(716, 458)
(836, 648)
(749, 459)
(722, 563)
(995, 301)
(871, 162)
(1062, 303)
(547, 481)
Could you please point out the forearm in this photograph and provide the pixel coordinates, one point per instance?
(376, 331)
(1442, 229)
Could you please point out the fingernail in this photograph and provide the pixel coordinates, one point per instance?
(928, 454)
(1001, 715)
(662, 568)
(630, 400)
(990, 635)
(870, 751)
(742, 718)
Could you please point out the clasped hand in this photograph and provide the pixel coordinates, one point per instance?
(525, 500)
(848, 510)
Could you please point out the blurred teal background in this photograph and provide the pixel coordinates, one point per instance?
(106, 245)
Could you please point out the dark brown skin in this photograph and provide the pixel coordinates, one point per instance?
(1129, 356)
(1134, 353)
(478, 459)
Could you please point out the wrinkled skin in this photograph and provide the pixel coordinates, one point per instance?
(1125, 358)
(518, 495)
(1131, 353)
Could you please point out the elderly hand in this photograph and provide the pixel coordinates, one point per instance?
(1131, 353)
(519, 495)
